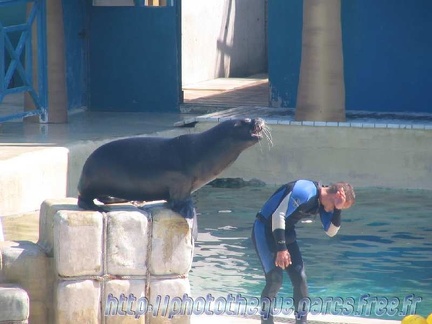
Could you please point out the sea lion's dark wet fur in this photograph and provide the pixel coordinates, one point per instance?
(156, 168)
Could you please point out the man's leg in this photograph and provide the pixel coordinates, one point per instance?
(268, 295)
(273, 274)
(297, 275)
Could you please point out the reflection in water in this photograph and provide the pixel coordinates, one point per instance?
(383, 248)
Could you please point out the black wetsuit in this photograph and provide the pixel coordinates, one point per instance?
(274, 231)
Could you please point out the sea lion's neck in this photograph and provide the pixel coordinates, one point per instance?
(211, 155)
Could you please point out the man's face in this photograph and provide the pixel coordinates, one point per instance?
(340, 201)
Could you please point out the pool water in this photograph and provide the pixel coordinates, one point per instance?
(383, 249)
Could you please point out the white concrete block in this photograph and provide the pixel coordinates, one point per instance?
(172, 244)
(28, 186)
(78, 243)
(78, 302)
(126, 242)
(14, 304)
(170, 299)
(124, 302)
(26, 264)
(1, 231)
(41, 311)
(48, 209)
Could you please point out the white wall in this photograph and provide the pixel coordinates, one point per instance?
(223, 38)
(365, 157)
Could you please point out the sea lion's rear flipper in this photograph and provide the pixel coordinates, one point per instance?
(107, 200)
(88, 204)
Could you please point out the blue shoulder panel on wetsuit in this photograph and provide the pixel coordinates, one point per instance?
(303, 191)
(272, 203)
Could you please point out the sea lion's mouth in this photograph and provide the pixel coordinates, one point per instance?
(260, 130)
(257, 130)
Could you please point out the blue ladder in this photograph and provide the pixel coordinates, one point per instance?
(40, 95)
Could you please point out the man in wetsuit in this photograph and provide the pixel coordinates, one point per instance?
(274, 233)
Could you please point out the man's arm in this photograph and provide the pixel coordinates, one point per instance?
(283, 258)
(331, 222)
(278, 224)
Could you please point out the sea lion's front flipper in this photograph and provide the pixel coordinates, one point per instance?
(186, 209)
(195, 226)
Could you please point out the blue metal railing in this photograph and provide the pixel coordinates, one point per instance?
(39, 95)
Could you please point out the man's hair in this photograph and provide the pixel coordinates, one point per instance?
(348, 189)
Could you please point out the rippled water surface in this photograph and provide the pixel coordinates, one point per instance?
(384, 247)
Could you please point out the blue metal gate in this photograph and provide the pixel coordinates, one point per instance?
(11, 62)
(134, 56)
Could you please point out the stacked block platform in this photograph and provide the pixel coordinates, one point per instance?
(92, 267)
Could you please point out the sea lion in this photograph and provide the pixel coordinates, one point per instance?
(156, 168)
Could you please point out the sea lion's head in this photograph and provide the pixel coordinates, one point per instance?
(246, 131)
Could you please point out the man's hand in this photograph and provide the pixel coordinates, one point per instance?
(283, 259)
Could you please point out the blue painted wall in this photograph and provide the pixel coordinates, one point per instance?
(284, 50)
(76, 31)
(387, 53)
(122, 58)
(134, 59)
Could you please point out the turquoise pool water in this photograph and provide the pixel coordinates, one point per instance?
(383, 251)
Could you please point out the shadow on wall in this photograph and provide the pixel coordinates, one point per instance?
(241, 45)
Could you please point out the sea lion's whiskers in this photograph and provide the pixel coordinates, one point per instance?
(267, 134)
